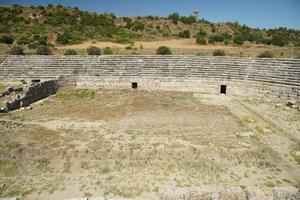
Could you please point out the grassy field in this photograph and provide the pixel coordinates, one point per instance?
(133, 143)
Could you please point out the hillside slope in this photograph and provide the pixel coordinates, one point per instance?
(57, 26)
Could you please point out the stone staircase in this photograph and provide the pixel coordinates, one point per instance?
(273, 71)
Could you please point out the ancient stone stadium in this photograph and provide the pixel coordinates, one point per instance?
(149, 127)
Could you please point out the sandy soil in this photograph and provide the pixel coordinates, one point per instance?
(126, 143)
(174, 43)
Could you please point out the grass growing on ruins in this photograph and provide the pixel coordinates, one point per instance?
(78, 94)
(127, 143)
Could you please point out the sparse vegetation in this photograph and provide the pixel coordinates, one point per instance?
(34, 26)
(70, 52)
(108, 51)
(16, 50)
(93, 51)
(79, 94)
(43, 50)
(219, 52)
(266, 54)
(102, 136)
(185, 34)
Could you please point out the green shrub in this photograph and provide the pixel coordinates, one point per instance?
(33, 45)
(166, 31)
(43, 50)
(266, 54)
(188, 19)
(200, 40)
(279, 40)
(185, 34)
(23, 40)
(93, 51)
(63, 38)
(70, 52)
(138, 26)
(7, 39)
(200, 53)
(211, 40)
(201, 33)
(130, 47)
(108, 51)
(239, 39)
(219, 52)
(16, 50)
(163, 50)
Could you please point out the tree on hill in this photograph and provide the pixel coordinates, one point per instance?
(163, 50)
(174, 17)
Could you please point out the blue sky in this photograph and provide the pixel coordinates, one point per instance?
(254, 13)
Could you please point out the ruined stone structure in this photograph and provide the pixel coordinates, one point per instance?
(231, 75)
(31, 94)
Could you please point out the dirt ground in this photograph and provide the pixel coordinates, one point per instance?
(184, 47)
(132, 143)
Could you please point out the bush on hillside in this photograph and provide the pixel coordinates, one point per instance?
(219, 52)
(163, 50)
(16, 50)
(6, 39)
(199, 53)
(266, 54)
(43, 50)
(70, 52)
(108, 51)
(279, 40)
(138, 26)
(201, 34)
(185, 34)
(200, 40)
(63, 38)
(239, 39)
(93, 51)
(188, 19)
(24, 39)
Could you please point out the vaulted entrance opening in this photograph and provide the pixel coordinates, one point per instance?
(134, 85)
(223, 89)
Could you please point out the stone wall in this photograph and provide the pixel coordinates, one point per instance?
(242, 76)
(32, 94)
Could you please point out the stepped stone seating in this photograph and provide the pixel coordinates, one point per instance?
(158, 70)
